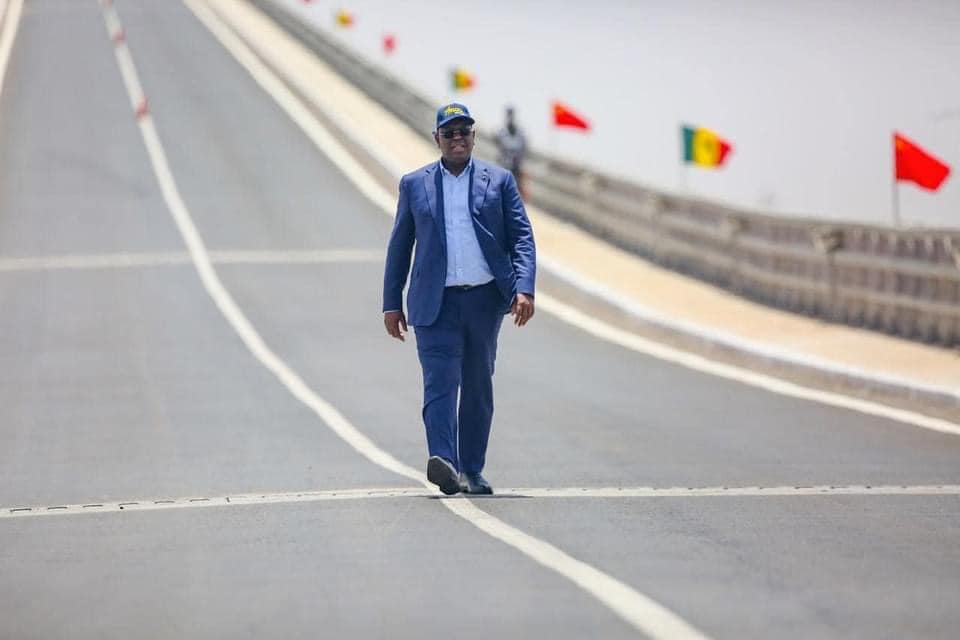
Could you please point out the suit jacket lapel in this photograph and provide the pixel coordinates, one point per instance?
(478, 190)
(433, 184)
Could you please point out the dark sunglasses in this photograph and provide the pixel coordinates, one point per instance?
(449, 133)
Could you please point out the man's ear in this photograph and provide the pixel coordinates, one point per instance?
(436, 138)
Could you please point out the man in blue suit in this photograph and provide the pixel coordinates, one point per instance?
(474, 260)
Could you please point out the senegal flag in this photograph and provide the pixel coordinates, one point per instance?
(461, 79)
(703, 147)
(344, 18)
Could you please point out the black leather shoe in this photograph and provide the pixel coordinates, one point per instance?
(441, 473)
(475, 483)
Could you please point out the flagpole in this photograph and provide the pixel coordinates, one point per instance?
(895, 188)
(682, 168)
(896, 204)
(552, 132)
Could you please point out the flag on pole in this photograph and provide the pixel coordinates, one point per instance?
(564, 116)
(344, 18)
(703, 147)
(389, 43)
(461, 80)
(913, 164)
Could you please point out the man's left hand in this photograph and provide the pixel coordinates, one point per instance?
(522, 309)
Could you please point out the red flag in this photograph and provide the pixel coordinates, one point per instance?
(563, 116)
(916, 165)
(389, 43)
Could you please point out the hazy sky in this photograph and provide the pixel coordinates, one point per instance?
(807, 91)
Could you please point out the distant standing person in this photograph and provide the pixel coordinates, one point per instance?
(512, 148)
(474, 260)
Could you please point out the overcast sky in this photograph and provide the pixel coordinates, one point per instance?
(808, 92)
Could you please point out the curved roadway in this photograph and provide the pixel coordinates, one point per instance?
(121, 380)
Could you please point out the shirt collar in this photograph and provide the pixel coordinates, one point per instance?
(466, 170)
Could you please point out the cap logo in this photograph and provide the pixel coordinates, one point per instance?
(451, 110)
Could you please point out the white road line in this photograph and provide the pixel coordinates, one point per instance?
(636, 343)
(640, 611)
(366, 184)
(128, 71)
(306, 256)
(10, 16)
(735, 492)
(295, 109)
(738, 343)
(219, 501)
(174, 258)
(375, 493)
(214, 287)
(94, 261)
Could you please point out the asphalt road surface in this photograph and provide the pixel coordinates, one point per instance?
(121, 380)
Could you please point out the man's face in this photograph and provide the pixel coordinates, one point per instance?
(455, 149)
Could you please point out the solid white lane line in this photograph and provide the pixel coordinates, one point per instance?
(173, 258)
(295, 109)
(10, 15)
(386, 202)
(374, 493)
(778, 354)
(636, 343)
(637, 609)
(214, 287)
(131, 80)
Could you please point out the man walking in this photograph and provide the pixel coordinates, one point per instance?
(474, 260)
(512, 148)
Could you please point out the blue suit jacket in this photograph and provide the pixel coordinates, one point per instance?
(499, 220)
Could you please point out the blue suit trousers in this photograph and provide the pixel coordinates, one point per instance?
(457, 354)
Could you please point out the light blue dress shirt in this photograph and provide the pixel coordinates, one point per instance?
(465, 261)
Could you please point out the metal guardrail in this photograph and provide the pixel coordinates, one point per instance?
(904, 282)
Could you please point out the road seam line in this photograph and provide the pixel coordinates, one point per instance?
(637, 609)
(175, 258)
(290, 497)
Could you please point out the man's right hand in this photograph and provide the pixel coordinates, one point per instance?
(396, 324)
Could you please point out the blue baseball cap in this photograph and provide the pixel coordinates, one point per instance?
(453, 111)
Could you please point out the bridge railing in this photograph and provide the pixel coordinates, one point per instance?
(900, 281)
